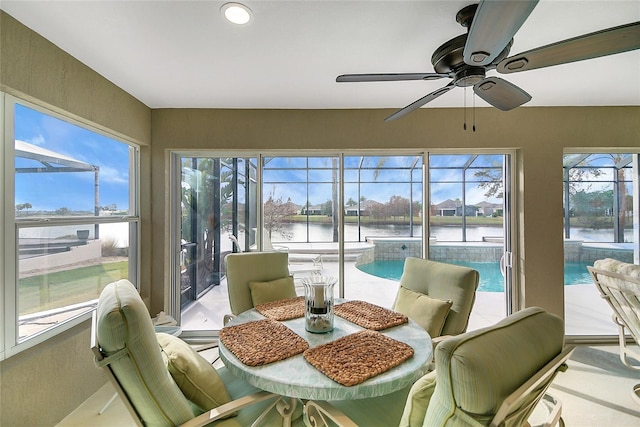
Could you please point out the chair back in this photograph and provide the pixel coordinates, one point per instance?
(445, 282)
(246, 267)
(619, 285)
(99, 360)
(124, 343)
(497, 375)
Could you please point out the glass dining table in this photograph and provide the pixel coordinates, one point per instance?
(296, 379)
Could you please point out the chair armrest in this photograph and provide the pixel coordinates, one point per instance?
(228, 408)
(435, 341)
(438, 340)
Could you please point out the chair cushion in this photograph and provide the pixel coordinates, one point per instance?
(418, 400)
(622, 294)
(430, 313)
(197, 379)
(274, 290)
(476, 371)
(124, 327)
(445, 282)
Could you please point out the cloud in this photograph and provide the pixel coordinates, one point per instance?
(37, 140)
(113, 175)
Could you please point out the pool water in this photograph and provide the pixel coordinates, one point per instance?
(575, 273)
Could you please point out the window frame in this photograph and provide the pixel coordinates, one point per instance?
(9, 330)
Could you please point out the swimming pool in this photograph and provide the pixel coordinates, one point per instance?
(575, 273)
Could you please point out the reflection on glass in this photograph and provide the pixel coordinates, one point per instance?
(598, 197)
(62, 270)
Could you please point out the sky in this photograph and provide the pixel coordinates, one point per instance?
(288, 176)
(71, 190)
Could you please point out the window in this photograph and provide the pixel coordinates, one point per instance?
(600, 221)
(71, 221)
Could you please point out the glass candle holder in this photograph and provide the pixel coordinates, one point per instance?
(318, 296)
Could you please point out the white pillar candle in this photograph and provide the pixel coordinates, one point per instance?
(318, 300)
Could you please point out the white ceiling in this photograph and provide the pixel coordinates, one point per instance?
(184, 54)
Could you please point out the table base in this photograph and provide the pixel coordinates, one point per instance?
(285, 406)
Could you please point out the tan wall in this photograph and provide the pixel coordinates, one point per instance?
(40, 386)
(539, 135)
(43, 384)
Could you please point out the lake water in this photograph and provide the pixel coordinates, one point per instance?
(119, 232)
(324, 233)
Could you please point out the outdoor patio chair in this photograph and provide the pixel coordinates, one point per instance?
(495, 376)
(269, 273)
(438, 296)
(619, 285)
(162, 381)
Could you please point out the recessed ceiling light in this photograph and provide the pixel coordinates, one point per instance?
(236, 13)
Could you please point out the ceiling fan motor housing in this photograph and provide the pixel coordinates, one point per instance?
(469, 76)
(449, 57)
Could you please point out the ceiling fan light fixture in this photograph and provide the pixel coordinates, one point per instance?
(469, 76)
(236, 13)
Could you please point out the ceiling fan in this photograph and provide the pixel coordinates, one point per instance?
(491, 25)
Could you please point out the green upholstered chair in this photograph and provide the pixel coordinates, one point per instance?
(439, 282)
(247, 267)
(619, 285)
(495, 376)
(154, 373)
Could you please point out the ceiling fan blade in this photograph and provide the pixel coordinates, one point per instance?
(420, 102)
(501, 94)
(593, 45)
(389, 77)
(493, 27)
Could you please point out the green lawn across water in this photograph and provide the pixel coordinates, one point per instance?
(63, 288)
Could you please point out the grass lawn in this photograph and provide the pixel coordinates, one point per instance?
(63, 288)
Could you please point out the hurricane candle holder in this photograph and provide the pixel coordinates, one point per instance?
(318, 295)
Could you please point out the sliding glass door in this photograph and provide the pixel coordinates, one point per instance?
(356, 217)
(215, 199)
(469, 224)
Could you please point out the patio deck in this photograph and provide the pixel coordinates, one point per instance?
(586, 313)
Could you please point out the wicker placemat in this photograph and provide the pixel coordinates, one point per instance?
(357, 357)
(285, 309)
(369, 315)
(262, 342)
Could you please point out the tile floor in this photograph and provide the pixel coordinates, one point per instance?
(595, 392)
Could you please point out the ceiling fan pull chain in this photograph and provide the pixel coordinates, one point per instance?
(474, 111)
(464, 109)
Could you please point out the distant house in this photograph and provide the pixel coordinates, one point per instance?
(366, 208)
(447, 208)
(454, 208)
(488, 209)
(311, 210)
(470, 210)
